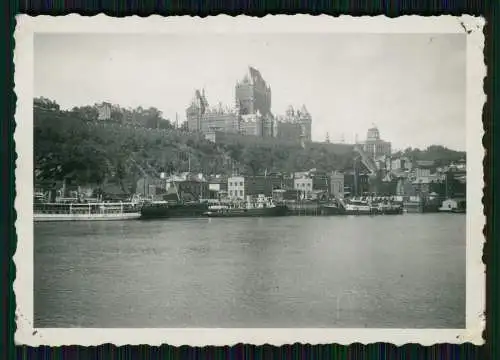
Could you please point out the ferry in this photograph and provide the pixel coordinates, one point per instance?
(259, 208)
(86, 211)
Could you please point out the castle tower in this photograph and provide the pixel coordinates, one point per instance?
(253, 94)
(305, 121)
(196, 110)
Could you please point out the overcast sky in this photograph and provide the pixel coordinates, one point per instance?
(411, 86)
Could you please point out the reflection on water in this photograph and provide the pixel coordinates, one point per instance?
(389, 271)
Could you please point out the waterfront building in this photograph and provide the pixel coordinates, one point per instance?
(374, 145)
(399, 163)
(355, 183)
(303, 184)
(265, 185)
(189, 190)
(321, 182)
(240, 187)
(422, 172)
(236, 187)
(217, 186)
(337, 185)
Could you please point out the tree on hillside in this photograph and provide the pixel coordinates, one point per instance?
(46, 104)
(87, 113)
(441, 155)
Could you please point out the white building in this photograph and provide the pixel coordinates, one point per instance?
(419, 172)
(337, 185)
(236, 187)
(104, 111)
(304, 184)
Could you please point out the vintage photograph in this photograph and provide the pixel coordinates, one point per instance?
(253, 179)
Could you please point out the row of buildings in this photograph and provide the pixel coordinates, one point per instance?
(250, 115)
(420, 181)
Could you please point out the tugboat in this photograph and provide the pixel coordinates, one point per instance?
(262, 206)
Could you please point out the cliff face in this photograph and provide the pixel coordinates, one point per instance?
(98, 152)
(82, 151)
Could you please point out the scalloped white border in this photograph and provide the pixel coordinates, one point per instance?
(23, 285)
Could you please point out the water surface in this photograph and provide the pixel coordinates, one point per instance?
(403, 271)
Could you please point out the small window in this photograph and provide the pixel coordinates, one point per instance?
(241, 192)
(230, 192)
(241, 183)
(230, 183)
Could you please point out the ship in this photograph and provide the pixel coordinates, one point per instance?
(251, 208)
(361, 207)
(358, 207)
(175, 209)
(456, 206)
(98, 211)
(331, 209)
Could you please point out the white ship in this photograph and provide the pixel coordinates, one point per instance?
(86, 211)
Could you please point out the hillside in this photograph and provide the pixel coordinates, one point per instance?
(86, 151)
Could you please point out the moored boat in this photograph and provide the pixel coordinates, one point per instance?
(359, 207)
(165, 209)
(259, 208)
(388, 209)
(456, 206)
(85, 211)
(355, 207)
(331, 209)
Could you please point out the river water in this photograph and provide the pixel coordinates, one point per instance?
(404, 271)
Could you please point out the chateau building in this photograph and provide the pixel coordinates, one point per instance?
(296, 124)
(251, 114)
(253, 102)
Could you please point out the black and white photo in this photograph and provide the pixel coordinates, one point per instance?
(222, 180)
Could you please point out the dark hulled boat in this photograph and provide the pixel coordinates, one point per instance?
(278, 210)
(331, 209)
(258, 208)
(164, 209)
